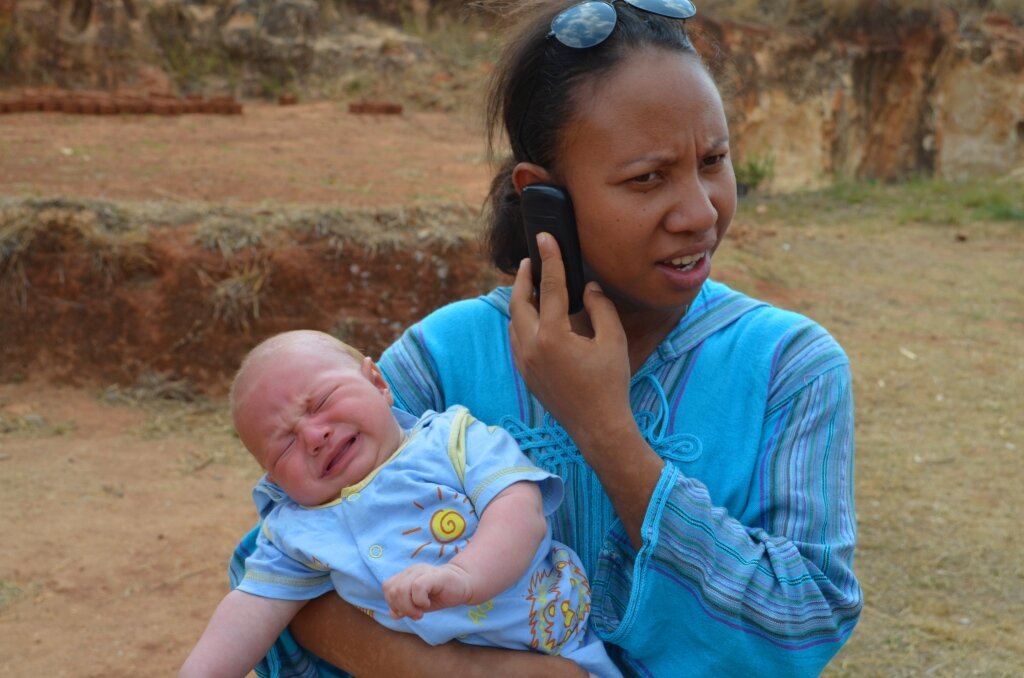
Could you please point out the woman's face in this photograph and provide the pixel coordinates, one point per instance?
(646, 161)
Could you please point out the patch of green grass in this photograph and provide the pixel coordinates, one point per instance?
(925, 201)
(9, 593)
(753, 170)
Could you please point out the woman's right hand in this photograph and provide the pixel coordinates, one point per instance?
(583, 381)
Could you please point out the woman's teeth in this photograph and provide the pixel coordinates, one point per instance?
(687, 262)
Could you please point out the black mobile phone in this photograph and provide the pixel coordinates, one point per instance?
(547, 208)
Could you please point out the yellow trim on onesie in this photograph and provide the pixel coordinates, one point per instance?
(494, 476)
(352, 489)
(457, 442)
(294, 582)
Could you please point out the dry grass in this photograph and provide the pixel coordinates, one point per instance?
(115, 241)
(383, 230)
(932, 316)
(16, 235)
(228, 235)
(174, 408)
(235, 299)
(31, 424)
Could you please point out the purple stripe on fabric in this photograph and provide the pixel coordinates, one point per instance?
(520, 385)
(733, 589)
(668, 574)
(766, 460)
(774, 608)
(778, 350)
(707, 302)
(691, 364)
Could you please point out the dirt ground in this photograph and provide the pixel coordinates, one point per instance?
(315, 153)
(121, 505)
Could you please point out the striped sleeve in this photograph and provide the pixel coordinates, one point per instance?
(774, 597)
(411, 372)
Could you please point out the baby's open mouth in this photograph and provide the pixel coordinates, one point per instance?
(342, 450)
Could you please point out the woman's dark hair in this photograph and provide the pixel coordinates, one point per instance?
(534, 93)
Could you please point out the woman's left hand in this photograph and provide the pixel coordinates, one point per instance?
(583, 381)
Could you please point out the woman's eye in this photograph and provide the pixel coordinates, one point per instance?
(713, 160)
(645, 178)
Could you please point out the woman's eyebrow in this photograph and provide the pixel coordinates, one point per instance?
(658, 158)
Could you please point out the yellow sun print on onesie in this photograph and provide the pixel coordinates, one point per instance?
(445, 526)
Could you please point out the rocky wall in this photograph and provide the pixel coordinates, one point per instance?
(936, 95)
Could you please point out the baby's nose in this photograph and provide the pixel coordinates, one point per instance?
(318, 440)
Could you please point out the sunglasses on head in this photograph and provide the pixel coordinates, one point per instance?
(589, 23)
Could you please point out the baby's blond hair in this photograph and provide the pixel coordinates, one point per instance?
(286, 340)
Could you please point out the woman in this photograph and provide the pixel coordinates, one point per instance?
(705, 438)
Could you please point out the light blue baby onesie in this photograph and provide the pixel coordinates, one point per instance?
(423, 506)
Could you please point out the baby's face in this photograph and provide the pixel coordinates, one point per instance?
(315, 420)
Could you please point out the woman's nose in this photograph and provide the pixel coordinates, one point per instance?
(693, 210)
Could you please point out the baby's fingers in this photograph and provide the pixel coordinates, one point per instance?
(419, 594)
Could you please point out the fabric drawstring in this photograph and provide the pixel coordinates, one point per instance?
(549, 444)
(654, 427)
(546, 444)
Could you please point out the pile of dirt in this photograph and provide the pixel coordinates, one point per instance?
(90, 291)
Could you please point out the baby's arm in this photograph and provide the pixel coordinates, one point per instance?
(506, 539)
(242, 629)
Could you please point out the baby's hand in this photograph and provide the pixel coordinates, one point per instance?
(425, 588)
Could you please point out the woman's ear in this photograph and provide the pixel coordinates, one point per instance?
(526, 173)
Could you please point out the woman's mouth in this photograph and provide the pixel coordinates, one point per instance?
(687, 263)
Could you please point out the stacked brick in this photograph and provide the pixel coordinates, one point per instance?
(105, 103)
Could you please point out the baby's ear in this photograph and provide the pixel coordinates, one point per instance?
(376, 377)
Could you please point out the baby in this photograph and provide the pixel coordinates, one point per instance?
(401, 516)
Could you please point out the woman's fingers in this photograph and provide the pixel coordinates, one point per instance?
(523, 319)
(604, 318)
(528, 322)
(554, 297)
(521, 302)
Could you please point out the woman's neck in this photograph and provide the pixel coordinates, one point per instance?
(645, 331)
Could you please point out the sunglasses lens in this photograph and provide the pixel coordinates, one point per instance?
(584, 25)
(675, 9)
